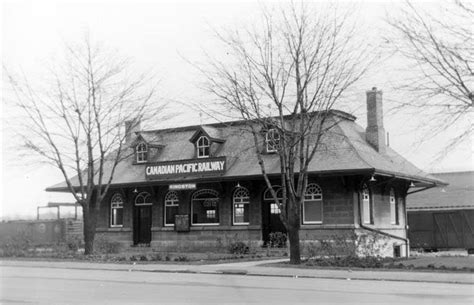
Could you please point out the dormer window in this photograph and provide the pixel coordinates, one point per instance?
(142, 152)
(272, 140)
(203, 146)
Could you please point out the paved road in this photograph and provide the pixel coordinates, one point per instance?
(37, 285)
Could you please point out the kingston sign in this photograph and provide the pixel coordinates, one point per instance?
(186, 168)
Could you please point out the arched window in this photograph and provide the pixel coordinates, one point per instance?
(393, 208)
(171, 207)
(205, 207)
(203, 147)
(274, 206)
(272, 140)
(241, 201)
(313, 204)
(142, 152)
(367, 205)
(116, 211)
(143, 198)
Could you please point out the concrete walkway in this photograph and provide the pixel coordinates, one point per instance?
(255, 268)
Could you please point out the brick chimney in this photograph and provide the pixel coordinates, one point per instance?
(131, 126)
(375, 133)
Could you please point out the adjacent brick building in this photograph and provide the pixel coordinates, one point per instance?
(200, 187)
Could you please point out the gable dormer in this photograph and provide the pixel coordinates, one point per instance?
(271, 133)
(207, 141)
(146, 148)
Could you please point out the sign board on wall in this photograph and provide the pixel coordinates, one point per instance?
(181, 223)
(194, 167)
(182, 186)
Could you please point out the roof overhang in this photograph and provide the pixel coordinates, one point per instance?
(418, 181)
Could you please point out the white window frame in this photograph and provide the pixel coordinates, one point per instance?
(275, 209)
(171, 200)
(367, 205)
(241, 197)
(141, 152)
(216, 196)
(267, 196)
(313, 193)
(394, 216)
(116, 202)
(203, 146)
(272, 140)
(145, 196)
(211, 212)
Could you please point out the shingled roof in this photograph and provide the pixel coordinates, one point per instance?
(459, 194)
(343, 151)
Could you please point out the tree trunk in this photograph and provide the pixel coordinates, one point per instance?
(90, 221)
(293, 229)
(294, 239)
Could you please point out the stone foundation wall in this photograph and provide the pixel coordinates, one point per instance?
(201, 240)
(375, 244)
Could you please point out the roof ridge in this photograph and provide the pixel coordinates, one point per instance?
(220, 124)
(452, 172)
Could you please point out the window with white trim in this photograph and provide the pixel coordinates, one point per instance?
(116, 211)
(272, 140)
(367, 205)
(241, 202)
(171, 207)
(274, 206)
(211, 214)
(205, 207)
(143, 198)
(393, 208)
(313, 204)
(203, 146)
(142, 152)
(274, 209)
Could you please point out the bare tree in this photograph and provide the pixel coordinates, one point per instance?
(76, 121)
(286, 75)
(441, 56)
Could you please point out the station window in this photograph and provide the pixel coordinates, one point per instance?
(143, 198)
(211, 214)
(241, 202)
(368, 205)
(274, 206)
(142, 153)
(116, 211)
(171, 207)
(272, 140)
(313, 204)
(274, 209)
(205, 207)
(203, 147)
(393, 208)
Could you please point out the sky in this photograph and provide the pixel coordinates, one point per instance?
(165, 38)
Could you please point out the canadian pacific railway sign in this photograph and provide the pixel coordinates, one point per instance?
(194, 167)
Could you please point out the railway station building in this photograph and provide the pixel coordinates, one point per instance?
(201, 187)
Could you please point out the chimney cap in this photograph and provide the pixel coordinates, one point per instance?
(374, 90)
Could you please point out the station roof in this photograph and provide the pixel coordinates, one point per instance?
(459, 194)
(343, 150)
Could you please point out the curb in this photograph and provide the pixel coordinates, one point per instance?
(246, 273)
(243, 272)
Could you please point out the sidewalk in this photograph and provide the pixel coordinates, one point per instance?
(254, 268)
